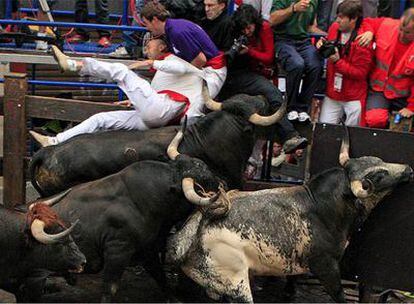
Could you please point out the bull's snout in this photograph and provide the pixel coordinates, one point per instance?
(408, 174)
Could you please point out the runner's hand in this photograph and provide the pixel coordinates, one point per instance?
(125, 103)
(141, 64)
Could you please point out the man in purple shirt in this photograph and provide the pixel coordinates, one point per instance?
(189, 42)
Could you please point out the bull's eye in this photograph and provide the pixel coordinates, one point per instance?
(367, 185)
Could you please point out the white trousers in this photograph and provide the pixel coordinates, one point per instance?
(333, 110)
(152, 110)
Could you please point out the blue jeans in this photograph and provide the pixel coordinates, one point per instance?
(299, 57)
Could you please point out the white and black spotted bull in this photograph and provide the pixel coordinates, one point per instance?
(223, 139)
(35, 240)
(285, 231)
(125, 218)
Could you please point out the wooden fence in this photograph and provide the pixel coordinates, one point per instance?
(17, 108)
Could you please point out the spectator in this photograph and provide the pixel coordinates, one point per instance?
(392, 80)
(189, 42)
(217, 23)
(42, 16)
(247, 68)
(348, 67)
(291, 22)
(262, 6)
(325, 8)
(81, 16)
(175, 91)
(132, 47)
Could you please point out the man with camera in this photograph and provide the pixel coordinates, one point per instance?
(348, 67)
(392, 80)
(249, 59)
(291, 21)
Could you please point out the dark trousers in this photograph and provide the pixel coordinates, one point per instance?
(298, 58)
(81, 15)
(324, 14)
(247, 82)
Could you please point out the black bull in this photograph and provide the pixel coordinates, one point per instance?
(127, 216)
(26, 247)
(223, 139)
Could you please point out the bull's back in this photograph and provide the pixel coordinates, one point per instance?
(91, 156)
(268, 229)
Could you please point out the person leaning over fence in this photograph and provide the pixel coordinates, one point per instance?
(348, 67)
(175, 91)
(188, 41)
(392, 80)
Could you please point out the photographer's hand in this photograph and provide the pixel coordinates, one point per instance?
(244, 50)
(406, 113)
(320, 42)
(335, 57)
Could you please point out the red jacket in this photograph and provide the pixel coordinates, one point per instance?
(398, 83)
(262, 50)
(354, 68)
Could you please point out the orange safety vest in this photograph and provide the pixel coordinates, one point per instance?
(396, 83)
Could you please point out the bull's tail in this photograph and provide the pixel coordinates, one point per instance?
(180, 243)
(35, 163)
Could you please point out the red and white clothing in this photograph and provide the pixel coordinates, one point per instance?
(393, 75)
(175, 90)
(347, 82)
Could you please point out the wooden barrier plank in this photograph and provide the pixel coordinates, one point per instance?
(14, 144)
(65, 109)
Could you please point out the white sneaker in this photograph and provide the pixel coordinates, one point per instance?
(120, 52)
(41, 45)
(293, 115)
(303, 116)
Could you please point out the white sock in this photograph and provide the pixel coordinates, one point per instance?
(52, 140)
(72, 65)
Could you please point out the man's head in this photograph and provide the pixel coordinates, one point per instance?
(348, 14)
(154, 16)
(407, 26)
(214, 8)
(155, 48)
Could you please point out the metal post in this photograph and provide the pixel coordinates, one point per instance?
(14, 140)
(8, 9)
(125, 12)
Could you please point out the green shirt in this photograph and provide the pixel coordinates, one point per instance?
(296, 26)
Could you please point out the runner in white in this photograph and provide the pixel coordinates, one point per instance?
(175, 91)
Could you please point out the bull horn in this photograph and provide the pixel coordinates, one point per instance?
(192, 196)
(344, 152)
(38, 231)
(172, 150)
(209, 102)
(265, 121)
(51, 201)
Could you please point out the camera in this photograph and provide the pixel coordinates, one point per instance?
(327, 49)
(238, 43)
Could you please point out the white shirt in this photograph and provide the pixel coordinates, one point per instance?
(177, 75)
